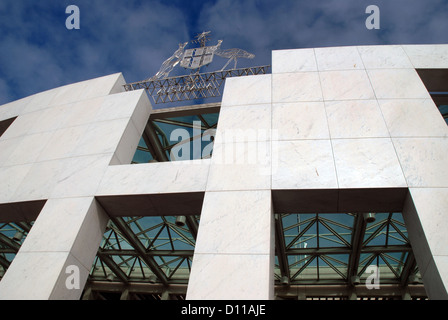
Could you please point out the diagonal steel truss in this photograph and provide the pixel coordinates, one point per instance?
(345, 256)
(193, 86)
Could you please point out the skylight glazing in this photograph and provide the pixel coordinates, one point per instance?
(335, 248)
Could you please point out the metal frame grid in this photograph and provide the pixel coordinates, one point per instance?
(146, 249)
(12, 235)
(155, 144)
(192, 86)
(339, 248)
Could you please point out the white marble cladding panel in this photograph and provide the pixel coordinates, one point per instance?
(355, 119)
(27, 149)
(243, 218)
(64, 95)
(11, 178)
(424, 214)
(101, 86)
(294, 87)
(413, 118)
(304, 164)
(77, 226)
(68, 177)
(338, 58)
(77, 134)
(428, 56)
(380, 57)
(67, 232)
(397, 84)
(244, 123)
(241, 277)
(163, 177)
(346, 85)
(247, 90)
(50, 282)
(438, 277)
(300, 120)
(295, 60)
(424, 161)
(431, 205)
(241, 166)
(367, 163)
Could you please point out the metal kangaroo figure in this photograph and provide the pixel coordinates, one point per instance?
(231, 54)
(169, 64)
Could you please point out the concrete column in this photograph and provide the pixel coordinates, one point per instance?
(234, 254)
(57, 255)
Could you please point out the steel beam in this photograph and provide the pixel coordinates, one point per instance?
(280, 247)
(129, 235)
(357, 241)
(154, 142)
(114, 267)
(9, 243)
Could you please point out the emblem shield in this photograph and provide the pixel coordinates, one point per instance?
(197, 57)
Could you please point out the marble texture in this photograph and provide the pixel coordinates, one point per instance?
(295, 60)
(431, 204)
(233, 214)
(244, 123)
(413, 118)
(423, 161)
(424, 215)
(128, 143)
(20, 126)
(346, 85)
(427, 56)
(247, 90)
(234, 281)
(28, 148)
(397, 84)
(338, 58)
(240, 166)
(11, 178)
(163, 177)
(380, 57)
(304, 164)
(14, 108)
(88, 89)
(101, 137)
(77, 226)
(300, 120)
(81, 176)
(367, 163)
(355, 119)
(25, 266)
(244, 219)
(294, 87)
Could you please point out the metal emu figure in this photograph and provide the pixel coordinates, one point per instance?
(232, 54)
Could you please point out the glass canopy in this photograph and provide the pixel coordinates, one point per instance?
(337, 248)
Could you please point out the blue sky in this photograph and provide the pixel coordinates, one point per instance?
(37, 52)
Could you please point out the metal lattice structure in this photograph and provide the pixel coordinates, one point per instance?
(12, 236)
(196, 85)
(146, 249)
(191, 86)
(339, 248)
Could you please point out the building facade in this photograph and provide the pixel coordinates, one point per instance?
(348, 142)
